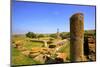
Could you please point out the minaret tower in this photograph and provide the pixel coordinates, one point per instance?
(58, 34)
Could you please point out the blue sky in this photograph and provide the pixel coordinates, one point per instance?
(46, 18)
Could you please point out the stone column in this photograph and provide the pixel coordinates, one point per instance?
(76, 37)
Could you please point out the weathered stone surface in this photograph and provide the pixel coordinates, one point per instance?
(39, 58)
(63, 56)
(90, 48)
(26, 53)
(77, 37)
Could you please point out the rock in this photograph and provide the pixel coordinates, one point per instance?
(26, 53)
(23, 49)
(33, 55)
(49, 60)
(89, 46)
(39, 58)
(63, 56)
(59, 60)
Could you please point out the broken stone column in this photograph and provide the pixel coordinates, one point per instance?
(77, 37)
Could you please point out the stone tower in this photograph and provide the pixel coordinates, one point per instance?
(76, 37)
(58, 34)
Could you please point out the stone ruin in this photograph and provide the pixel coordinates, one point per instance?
(82, 48)
(79, 45)
(47, 55)
(76, 37)
(90, 48)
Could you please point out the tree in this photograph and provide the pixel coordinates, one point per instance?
(31, 35)
(40, 35)
(64, 35)
(53, 35)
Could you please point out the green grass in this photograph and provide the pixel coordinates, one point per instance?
(26, 43)
(20, 59)
(30, 44)
(17, 57)
(65, 48)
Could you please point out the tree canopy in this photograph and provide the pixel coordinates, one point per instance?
(31, 35)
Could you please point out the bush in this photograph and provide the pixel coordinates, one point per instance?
(40, 35)
(53, 35)
(31, 35)
(65, 35)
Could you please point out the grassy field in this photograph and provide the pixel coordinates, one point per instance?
(20, 59)
(66, 49)
(17, 57)
(30, 44)
(25, 42)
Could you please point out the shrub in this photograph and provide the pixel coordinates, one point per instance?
(31, 35)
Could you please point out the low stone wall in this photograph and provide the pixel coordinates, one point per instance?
(90, 48)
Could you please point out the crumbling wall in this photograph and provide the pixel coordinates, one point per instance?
(90, 48)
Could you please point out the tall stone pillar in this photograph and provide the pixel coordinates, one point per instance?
(77, 37)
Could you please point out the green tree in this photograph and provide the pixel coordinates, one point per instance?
(31, 35)
(64, 35)
(40, 35)
(53, 35)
